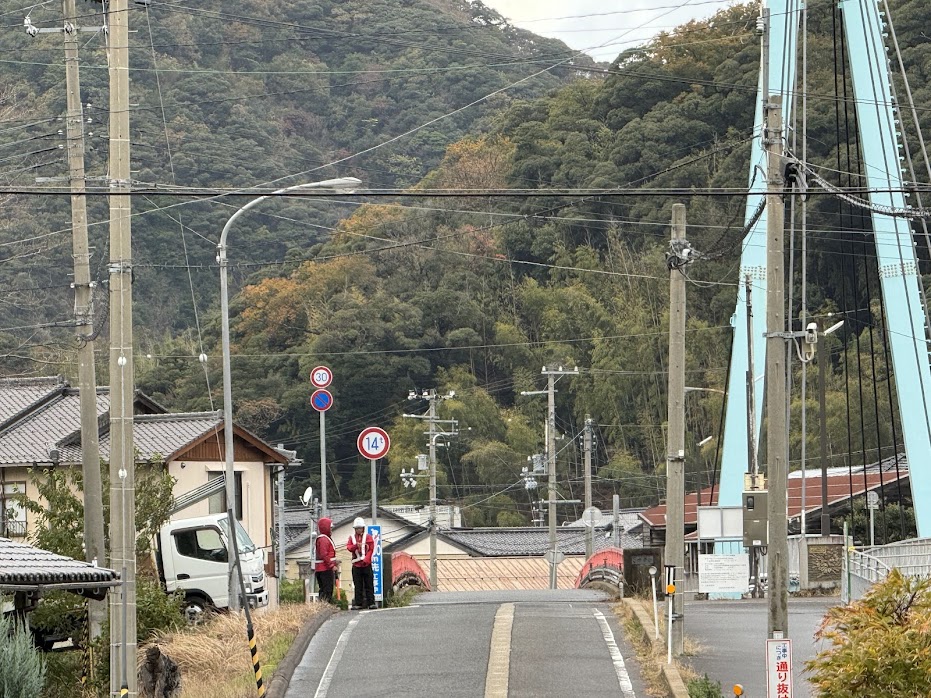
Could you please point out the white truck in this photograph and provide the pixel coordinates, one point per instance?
(192, 556)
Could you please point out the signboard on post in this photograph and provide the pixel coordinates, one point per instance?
(723, 574)
(377, 567)
(779, 668)
(321, 400)
(373, 443)
(321, 377)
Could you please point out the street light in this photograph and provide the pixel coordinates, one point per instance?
(343, 184)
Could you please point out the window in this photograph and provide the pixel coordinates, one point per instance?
(218, 501)
(202, 544)
(13, 513)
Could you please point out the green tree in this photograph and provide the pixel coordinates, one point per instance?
(878, 646)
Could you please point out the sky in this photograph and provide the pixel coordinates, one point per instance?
(604, 28)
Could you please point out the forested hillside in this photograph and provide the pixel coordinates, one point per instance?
(477, 294)
(236, 96)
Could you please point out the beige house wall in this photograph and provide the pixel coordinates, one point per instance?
(256, 493)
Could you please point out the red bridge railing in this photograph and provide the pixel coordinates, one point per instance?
(406, 571)
(605, 565)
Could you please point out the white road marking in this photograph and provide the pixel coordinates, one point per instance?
(499, 655)
(335, 657)
(623, 678)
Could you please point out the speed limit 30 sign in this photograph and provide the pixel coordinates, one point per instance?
(321, 377)
(373, 443)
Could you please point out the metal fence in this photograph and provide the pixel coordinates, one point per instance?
(863, 568)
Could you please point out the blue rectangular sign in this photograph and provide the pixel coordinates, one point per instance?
(377, 568)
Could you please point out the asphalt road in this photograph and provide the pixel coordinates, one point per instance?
(558, 643)
(732, 639)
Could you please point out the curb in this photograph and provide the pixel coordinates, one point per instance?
(281, 678)
(671, 676)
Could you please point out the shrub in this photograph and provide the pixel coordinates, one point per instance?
(704, 688)
(22, 668)
(880, 645)
(156, 611)
(292, 591)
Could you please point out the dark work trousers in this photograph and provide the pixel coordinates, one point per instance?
(363, 581)
(325, 585)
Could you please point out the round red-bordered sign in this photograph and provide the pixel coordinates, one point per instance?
(373, 443)
(321, 400)
(321, 377)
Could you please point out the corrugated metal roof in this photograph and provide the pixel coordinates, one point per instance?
(851, 483)
(503, 573)
(26, 565)
(29, 440)
(16, 394)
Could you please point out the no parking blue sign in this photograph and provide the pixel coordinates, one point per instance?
(321, 400)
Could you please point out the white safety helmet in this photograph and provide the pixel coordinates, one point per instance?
(359, 522)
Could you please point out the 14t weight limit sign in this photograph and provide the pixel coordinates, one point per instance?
(373, 443)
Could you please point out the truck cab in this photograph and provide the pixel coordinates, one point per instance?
(192, 555)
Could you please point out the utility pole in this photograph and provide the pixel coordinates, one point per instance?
(616, 518)
(551, 374)
(587, 447)
(823, 418)
(122, 462)
(83, 314)
(675, 448)
(432, 427)
(776, 446)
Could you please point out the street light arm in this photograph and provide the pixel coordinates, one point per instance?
(340, 184)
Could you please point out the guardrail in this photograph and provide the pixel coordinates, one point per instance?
(604, 566)
(406, 571)
(860, 571)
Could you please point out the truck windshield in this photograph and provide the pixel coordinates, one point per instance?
(242, 538)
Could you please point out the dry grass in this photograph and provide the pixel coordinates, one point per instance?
(214, 658)
(647, 650)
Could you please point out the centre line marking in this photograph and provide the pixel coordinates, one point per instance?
(499, 655)
(623, 678)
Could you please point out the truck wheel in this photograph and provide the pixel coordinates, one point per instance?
(196, 609)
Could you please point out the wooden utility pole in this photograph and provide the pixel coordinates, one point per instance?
(587, 448)
(122, 462)
(776, 348)
(83, 313)
(675, 446)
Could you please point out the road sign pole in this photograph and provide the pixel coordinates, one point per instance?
(374, 494)
(669, 598)
(323, 461)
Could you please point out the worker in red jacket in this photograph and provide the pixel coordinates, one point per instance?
(361, 545)
(325, 569)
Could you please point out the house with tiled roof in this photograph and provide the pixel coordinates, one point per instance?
(40, 427)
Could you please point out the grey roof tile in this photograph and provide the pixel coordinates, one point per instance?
(29, 440)
(156, 435)
(26, 565)
(17, 394)
(510, 542)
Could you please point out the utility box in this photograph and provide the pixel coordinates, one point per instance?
(756, 521)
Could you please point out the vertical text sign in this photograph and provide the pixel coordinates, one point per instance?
(377, 568)
(779, 668)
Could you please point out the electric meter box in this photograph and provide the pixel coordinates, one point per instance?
(756, 522)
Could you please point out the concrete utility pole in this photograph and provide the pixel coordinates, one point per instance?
(432, 400)
(823, 418)
(83, 314)
(776, 443)
(551, 374)
(587, 447)
(122, 463)
(675, 447)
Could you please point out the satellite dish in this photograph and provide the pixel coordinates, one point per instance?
(307, 497)
(591, 517)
